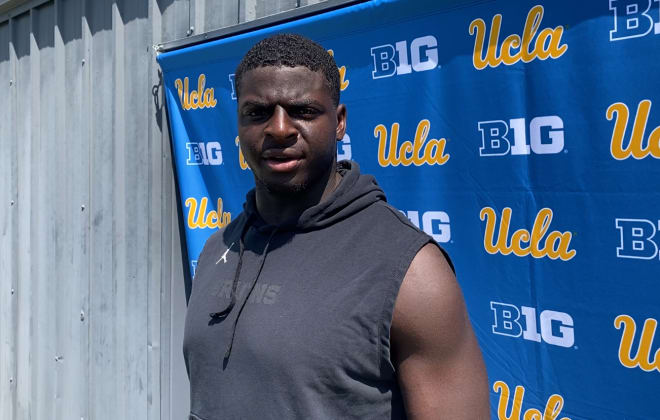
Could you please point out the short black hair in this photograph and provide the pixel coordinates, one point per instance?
(290, 50)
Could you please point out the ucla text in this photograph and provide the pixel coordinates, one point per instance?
(199, 218)
(201, 98)
(636, 145)
(642, 358)
(552, 410)
(418, 152)
(525, 242)
(514, 48)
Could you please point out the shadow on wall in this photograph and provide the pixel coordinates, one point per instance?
(4, 42)
(43, 23)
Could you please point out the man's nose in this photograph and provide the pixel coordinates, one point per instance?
(280, 126)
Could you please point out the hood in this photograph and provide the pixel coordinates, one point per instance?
(354, 193)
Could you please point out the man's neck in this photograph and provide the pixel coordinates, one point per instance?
(276, 208)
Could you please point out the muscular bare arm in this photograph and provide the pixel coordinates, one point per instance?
(439, 364)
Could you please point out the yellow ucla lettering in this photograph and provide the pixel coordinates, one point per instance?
(556, 244)
(417, 152)
(343, 82)
(642, 358)
(635, 147)
(552, 410)
(515, 48)
(196, 99)
(199, 218)
(241, 159)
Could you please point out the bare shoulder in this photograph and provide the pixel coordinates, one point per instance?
(439, 364)
(429, 300)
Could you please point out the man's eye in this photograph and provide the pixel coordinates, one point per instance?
(254, 113)
(304, 111)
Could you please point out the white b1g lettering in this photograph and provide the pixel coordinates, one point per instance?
(546, 136)
(232, 85)
(209, 153)
(390, 60)
(556, 328)
(637, 239)
(344, 148)
(434, 223)
(193, 266)
(633, 19)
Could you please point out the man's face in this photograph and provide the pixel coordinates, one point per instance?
(288, 127)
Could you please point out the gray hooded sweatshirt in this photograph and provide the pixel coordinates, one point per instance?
(293, 321)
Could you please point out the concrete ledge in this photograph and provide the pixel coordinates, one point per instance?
(7, 5)
(10, 8)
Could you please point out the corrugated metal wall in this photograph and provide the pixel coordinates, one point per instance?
(91, 273)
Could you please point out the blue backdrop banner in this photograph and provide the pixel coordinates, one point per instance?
(524, 138)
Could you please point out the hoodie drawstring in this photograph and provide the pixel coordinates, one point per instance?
(232, 302)
(247, 295)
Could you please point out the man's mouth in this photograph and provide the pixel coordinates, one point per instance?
(282, 163)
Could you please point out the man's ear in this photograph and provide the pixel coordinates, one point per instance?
(341, 121)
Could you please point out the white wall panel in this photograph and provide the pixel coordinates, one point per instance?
(92, 295)
(8, 233)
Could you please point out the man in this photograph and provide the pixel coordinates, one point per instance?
(321, 301)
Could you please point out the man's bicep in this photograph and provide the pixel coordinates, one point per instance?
(438, 361)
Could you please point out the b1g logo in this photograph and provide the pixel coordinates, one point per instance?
(546, 136)
(637, 239)
(193, 266)
(633, 19)
(344, 148)
(204, 153)
(552, 410)
(556, 327)
(394, 60)
(232, 84)
(434, 223)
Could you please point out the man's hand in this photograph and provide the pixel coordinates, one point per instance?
(439, 365)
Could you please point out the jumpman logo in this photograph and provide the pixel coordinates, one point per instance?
(224, 256)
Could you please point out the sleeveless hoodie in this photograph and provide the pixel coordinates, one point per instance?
(293, 321)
